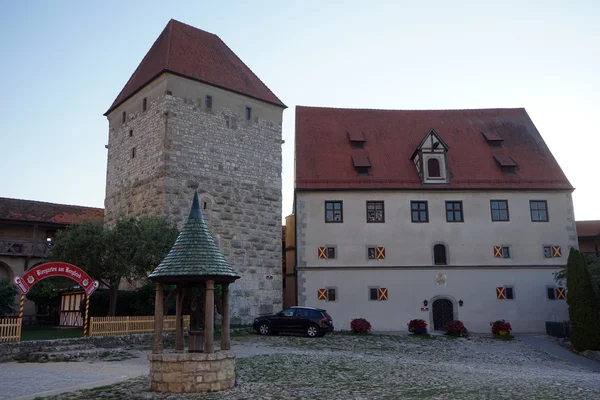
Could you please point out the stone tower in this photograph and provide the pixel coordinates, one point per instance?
(193, 116)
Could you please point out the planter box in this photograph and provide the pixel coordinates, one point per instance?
(558, 329)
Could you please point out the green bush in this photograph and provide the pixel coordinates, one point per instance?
(583, 309)
(129, 302)
(8, 291)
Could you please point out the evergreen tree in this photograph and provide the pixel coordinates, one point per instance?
(8, 291)
(583, 310)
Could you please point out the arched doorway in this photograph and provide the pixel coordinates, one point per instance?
(443, 311)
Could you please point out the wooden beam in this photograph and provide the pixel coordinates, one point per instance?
(157, 346)
(209, 317)
(225, 339)
(178, 324)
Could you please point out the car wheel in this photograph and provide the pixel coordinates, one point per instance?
(264, 328)
(312, 331)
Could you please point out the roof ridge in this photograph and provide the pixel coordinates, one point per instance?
(395, 109)
(169, 38)
(49, 203)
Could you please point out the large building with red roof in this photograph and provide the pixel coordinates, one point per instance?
(194, 117)
(432, 214)
(27, 229)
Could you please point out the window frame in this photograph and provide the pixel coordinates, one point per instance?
(435, 262)
(375, 203)
(512, 289)
(124, 118)
(208, 102)
(248, 113)
(333, 202)
(335, 296)
(499, 209)
(531, 210)
(370, 293)
(439, 168)
(418, 210)
(144, 104)
(331, 250)
(453, 210)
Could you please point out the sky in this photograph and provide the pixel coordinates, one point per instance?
(64, 62)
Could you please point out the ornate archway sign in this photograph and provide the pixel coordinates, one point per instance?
(52, 269)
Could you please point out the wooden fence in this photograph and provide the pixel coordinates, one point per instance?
(107, 326)
(10, 329)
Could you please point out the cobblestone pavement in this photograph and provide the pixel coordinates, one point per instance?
(344, 366)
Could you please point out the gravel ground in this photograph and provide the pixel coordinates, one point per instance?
(344, 366)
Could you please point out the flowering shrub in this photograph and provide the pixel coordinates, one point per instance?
(456, 328)
(417, 326)
(360, 325)
(500, 325)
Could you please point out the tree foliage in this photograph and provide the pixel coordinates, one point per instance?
(8, 291)
(583, 308)
(128, 250)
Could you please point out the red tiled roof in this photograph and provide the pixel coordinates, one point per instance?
(588, 228)
(504, 160)
(195, 54)
(323, 147)
(37, 211)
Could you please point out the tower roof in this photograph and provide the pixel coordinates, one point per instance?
(198, 55)
(194, 256)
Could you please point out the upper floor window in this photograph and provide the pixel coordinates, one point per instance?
(433, 168)
(248, 113)
(144, 104)
(418, 211)
(539, 210)
(439, 254)
(375, 211)
(505, 293)
(499, 210)
(208, 102)
(454, 212)
(334, 211)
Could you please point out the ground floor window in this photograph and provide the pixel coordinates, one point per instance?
(505, 293)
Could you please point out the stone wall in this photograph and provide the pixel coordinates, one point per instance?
(192, 372)
(233, 163)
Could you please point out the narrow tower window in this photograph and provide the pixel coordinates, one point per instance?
(144, 104)
(208, 102)
(248, 113)
(439, 254)
(133, 152)
(124, 117)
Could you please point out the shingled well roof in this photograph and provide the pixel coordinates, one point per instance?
(194, 256)
(323, 150)
(195, 54)
(37, 211)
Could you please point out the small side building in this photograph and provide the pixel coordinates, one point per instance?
(27, 229)
(588, 234)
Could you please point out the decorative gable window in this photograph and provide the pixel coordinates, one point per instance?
(362, 164)
(505, 293)
(357, 140)
(334, 211)
(375, 211)
(430, 159)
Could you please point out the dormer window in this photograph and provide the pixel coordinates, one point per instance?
(430, 159)
(507, 164)
(433, 168)
(357, 140)
(493, 139)
(362, 164)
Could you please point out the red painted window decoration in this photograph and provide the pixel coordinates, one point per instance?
(556, 252)
(433, 168)
(322, 252)
(501, 252)
(322, 294)
(382, 294)
(560, 293)
(381, 253)
(505, 293)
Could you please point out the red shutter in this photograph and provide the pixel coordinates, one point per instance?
(322, 252)
(381, 253)
(556, 251)
(382, 294)
(322, 294)
(498, 251)
(500, 293)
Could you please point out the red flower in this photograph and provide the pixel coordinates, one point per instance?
(360, 325)
(500, 325)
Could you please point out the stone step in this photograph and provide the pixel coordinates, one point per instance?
(68, 347)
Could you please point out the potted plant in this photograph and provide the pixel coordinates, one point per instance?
(360, 325)
(417, 326)
(456, 328)
(501, 327)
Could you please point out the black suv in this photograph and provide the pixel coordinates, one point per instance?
(312, 321)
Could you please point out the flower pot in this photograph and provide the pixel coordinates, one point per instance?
(503, 333)
(420, 330)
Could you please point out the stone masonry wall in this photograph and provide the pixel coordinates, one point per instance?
(235, 165)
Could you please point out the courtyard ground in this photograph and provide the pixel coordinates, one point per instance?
(346, 366)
